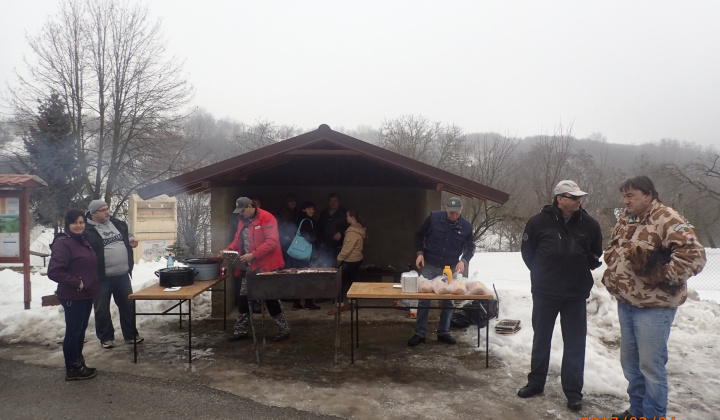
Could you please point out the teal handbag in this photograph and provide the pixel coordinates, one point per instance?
(300, 248)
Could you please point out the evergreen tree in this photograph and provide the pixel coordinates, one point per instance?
(50, 153)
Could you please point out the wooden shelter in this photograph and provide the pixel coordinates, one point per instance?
(394, 193)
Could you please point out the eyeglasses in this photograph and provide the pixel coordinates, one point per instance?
(572, 197)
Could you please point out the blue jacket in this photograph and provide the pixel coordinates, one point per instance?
(72, 261)
(445, 243)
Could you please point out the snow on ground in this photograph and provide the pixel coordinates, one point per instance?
(693, 366)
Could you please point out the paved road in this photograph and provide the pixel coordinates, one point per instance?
(30, 391)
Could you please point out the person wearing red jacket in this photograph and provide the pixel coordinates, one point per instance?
(257, 243)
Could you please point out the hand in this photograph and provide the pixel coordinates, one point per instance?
(460, 267)
(133, 243)
(420, 261)
(337, 237)
(246, 258)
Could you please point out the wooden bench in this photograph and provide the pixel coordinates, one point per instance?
(40, 254)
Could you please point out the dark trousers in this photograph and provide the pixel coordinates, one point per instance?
(77, 316)
(119, 288)
(573, 323)
(349, 274)
(273, 306)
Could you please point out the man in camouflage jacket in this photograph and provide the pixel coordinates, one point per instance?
(652, 253)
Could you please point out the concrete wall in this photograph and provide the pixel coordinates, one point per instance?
(392, 215)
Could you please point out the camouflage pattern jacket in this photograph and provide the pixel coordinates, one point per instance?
(658, 228)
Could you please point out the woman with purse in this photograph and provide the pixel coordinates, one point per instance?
(73, 266)
(308, 231)
(351, 256)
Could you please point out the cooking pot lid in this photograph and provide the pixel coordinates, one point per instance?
(176, 270)
(203, 260)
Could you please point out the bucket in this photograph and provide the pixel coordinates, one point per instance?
(206, 268)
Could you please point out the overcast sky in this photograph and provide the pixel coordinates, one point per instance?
(635, 71)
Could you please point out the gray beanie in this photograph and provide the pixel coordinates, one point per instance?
(95, 205)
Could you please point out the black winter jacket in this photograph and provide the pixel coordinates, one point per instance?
(96, 242)
(560, 255)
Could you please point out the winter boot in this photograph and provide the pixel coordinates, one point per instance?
(78, 372)
(241, 327)
(82, 362)
(283, 329)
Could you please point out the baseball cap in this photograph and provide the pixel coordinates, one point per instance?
(241, 203)
(454, 204)
(568, 187)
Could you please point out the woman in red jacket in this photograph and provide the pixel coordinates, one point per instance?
(73, 265)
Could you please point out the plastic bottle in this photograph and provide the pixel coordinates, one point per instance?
(170, 261)
(448, 272)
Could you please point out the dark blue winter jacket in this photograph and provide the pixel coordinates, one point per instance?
(444, 242)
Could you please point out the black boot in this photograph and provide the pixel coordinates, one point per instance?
(78, 372)
(82, 362)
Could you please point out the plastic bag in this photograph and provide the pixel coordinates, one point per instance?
(425, 285)
(458, 288)
(477, 288)
(441, 288)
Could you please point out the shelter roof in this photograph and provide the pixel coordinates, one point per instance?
(326, 157)
(24, 181)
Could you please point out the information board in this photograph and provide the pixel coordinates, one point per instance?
(9, 227)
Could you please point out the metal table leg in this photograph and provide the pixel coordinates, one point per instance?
(352, 333)
(135, 328)
(189, 302)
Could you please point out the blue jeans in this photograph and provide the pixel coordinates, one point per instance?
(430, 271)
(77, 316)
(119, 288)
(643, 355)
(573, 324)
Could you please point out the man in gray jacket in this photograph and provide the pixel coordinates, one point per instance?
(113, 244)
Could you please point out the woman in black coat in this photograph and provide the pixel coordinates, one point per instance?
(308, 230)
(73, 266)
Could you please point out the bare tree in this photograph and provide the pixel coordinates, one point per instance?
(493, 164)
(409, 135)
(262, 133)
(194, 223)
(443, 146)
(547, 162)
(106, 60)
(697, 185)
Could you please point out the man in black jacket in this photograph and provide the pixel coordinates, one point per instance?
(561, 245)
(113, 243)
(331, 228)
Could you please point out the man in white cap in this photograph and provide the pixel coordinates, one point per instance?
(560, 246)
(113, 244)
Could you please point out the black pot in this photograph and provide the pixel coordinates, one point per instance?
(174, 277)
